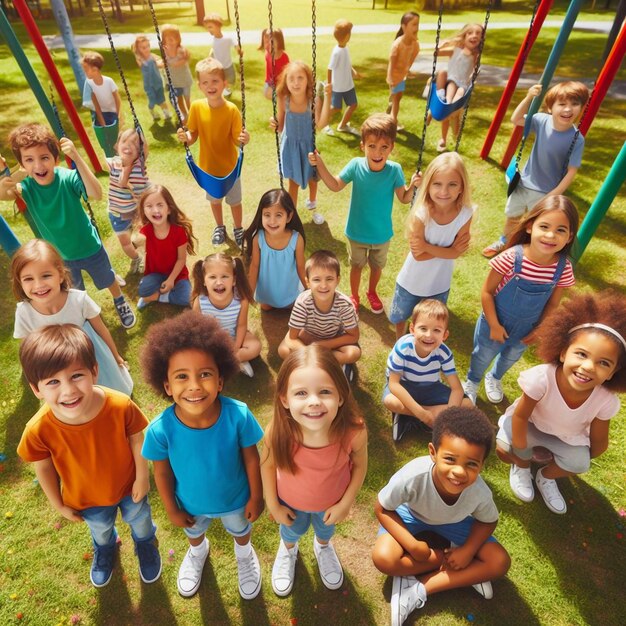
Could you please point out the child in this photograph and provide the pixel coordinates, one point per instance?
(41, 284)
(168, 238)
(53, 195)
(274, 244)
(275, 66)
(442, 493)
(221, 289)
(439, 232)
(403, 52)
(203, 447)
(322, 315)
(89, 439)
(222, 47)
(152, 82)
(177, 59)
(217, 123)
(556, 154)
(524, 284)
(369, 228)
(314, 461)
(127, 181)
(341, 76)
(414, 386)
(295, 94)
(105, 100)
(567, 403)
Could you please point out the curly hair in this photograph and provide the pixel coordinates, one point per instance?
(188, 331)
(29, 135)
(554, 334)
(468, 423)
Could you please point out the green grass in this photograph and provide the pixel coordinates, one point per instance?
(566, 570)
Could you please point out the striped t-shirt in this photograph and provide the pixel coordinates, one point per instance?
(306, 316)
(124, 199)
(405, 361)
(227, 317)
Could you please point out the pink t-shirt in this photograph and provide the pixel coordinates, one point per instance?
(162, 254)
(553, 416)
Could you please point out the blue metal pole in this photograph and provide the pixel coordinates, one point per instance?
(63, 22)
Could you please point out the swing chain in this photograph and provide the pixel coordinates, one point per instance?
(313, 69)
(241, 72)
(274, 94)
(576, 134)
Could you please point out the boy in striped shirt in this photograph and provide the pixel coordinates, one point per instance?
(414, 390)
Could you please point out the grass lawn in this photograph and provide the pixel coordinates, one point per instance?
(564, 568)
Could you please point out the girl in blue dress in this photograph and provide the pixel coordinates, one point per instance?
(150, 65)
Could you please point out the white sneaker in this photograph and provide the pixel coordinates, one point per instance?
(493, 389)
(249, 574)
(550, 493)
(246, 368)
(311, 204)
(407, 594)
(120, 281)
(484, 589)
(155, 114)
(329, 565)
(190, 572)
(284, 569)
(167, 115)
(521, 481)
(470, 389)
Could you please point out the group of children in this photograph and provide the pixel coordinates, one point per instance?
(314, 451)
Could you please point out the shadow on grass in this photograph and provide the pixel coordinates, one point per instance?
(211, 605)
(114, 600)
(154, 606)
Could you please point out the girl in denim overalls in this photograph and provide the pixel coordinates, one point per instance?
(525, 282)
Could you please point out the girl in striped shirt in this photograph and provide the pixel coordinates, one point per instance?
(221, 289)
(525, 283)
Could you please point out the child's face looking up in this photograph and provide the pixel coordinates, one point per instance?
(377, 151)
(212, 85)
(274, 219)
(219, 280)
(323, 283)
(39, 163)
(429, 333)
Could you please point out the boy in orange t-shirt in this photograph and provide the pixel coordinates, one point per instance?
(89, 438)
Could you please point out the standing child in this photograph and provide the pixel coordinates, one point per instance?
(177, 59)
(524, 284)
(218, 125)
(441, 493)
(274, 244)
(375, 180)
(273, 68)
(203, 447)
(439, 232)
(295, 95)
(105, 99)
(221, 289)
(567, 403)
(152, 81)
(314, 461)
(403, 52)
(169, 238)
(85, 442)
(556, 154)
(222, 47)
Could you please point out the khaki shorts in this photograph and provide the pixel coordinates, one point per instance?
(372, 254)
(522, 200)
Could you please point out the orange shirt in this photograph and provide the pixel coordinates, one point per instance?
(93, 460)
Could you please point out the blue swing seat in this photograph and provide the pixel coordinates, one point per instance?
(214, 185)
(441, 110)
(510, 170)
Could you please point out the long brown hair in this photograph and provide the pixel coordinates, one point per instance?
(242, 288)
(281, 88)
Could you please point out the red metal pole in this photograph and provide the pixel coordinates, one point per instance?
(40, 46)
(516, 70)
(509, 153)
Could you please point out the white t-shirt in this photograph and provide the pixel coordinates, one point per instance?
(104, 94)
(221, 50)
(341, 67)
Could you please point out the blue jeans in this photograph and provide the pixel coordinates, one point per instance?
(235, 524)
(179, 295)
(291, 534)
(101, 521)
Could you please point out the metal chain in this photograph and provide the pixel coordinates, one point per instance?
(274, 95)
(313, 70)
(241, 72)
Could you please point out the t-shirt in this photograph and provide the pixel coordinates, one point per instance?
(371, 202)
(93, 460)
(207, 463)
(553, 416)
(162, 254)
(341, 66)
(405, 361)
(221, 50)
(124, 199)
(58, 213)
(401, 58)
(104, 94)
(340, 318)
(413, 485)
(218, 134)
(504, 264)
(279, 65)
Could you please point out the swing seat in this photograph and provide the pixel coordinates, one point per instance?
(509, 173)
(214, 185)
(107, 137)
(441, 110)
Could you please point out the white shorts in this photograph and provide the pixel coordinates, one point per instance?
(522, 200)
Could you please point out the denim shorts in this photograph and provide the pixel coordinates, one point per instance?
(424, 393)
(155, 96)
(404, 302)
(349, 97)
(121, 222)
(400, 87)
(235, 524)
(304, 519)
(98, 266)
(233, 196)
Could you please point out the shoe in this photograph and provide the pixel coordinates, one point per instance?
(494, 248)
(219, 235)
(441, 146)
(155, 114)
(284, 569)
(142, 303)
(407, 594)
(493, 389)
(348, 370)
(102, 565)
(400, 426)
(317, 218)
(375, 303)
(127, 317)
(470, 389)
(328, 563)
(329, 131)
(521, 481)
(238, 236)
(190, 573)
(120, 281)
(149, 561)
(356, 302)
(349, 129)
(136, 265)
(246, 368)
(441, 94)
(484, 589)
(550, 493)
(227, 93)
(249, 574)
(167, 115)
(311, 204)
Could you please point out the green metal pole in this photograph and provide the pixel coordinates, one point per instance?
(601, 204)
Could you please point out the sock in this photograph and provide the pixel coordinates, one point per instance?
(243, 551)
(119, 300)
(320, 545)
(200, 550)
(164, 297)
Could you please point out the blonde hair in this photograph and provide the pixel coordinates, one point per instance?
(138, 40)
(431, 308)
(211, 66)
(131, 133)
(213, 18)
(173, 30)
(281, 88)
(458, 41)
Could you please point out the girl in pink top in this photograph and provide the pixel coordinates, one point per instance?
(314, 461)
(567, 403)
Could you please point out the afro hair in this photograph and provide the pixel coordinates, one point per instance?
(468, 423)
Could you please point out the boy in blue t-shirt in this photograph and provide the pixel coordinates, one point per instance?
(375, 179)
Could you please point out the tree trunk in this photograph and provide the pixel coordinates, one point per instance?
(199, 12)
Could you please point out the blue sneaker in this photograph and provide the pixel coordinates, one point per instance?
(149, 560)
(102, 565)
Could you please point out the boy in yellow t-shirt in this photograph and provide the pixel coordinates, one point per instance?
(217, 123)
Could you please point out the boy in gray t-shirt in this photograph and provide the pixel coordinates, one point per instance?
(442, 493)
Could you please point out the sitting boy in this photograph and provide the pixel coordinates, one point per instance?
(414, 388)
(323, 315)
(89, 438)
(442, 493)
